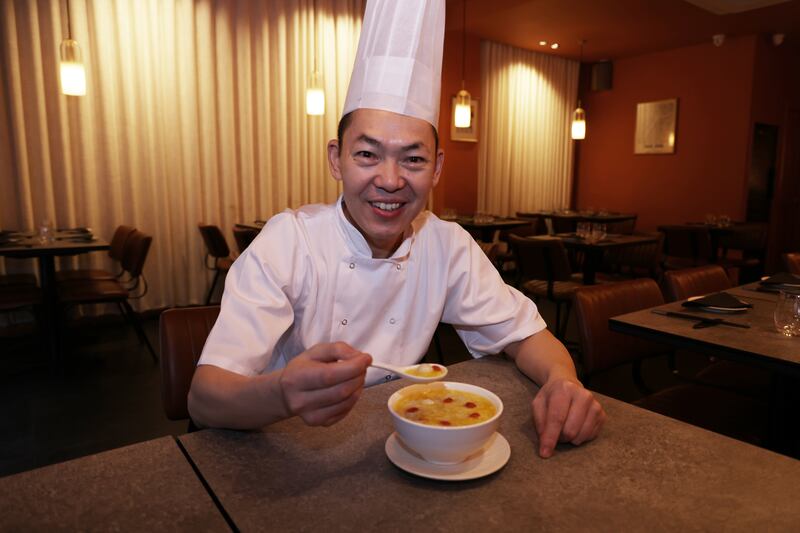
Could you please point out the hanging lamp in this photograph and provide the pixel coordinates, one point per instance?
(579, 115)
(73, 73)
(463, 112)
(315, 92)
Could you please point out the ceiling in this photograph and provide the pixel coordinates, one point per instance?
(615, 29)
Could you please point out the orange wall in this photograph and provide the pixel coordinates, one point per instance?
(458, 186)
(707, 172)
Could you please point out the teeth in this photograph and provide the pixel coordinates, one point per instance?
(386, 207)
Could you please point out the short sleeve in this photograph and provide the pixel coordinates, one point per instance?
(487, 313)
(257, 305)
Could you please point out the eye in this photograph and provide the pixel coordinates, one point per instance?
(365, 156)
(416, 160)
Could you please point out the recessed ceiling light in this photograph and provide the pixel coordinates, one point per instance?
(554, 46)
(542, 43)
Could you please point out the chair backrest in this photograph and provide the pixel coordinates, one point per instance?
(136, 248)
(116, 248)
(688, 242)
(638, 257)
(215, 241)
(183, 333)
(542, 258)
(688, 282)
(537, 226)
(601, 348)
(564, 224)
(792, 262)
(243, 237)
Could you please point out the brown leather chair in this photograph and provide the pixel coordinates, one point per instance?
(543, 271)
(91, 291)
(687, 282)
(792, 262)
(244, 236)
(603, 349)
(686, 246)
(116, 251)
(216, 249)
(183, 333)
(749, 241)
(712, 408)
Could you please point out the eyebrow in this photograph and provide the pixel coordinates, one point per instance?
(377, 144)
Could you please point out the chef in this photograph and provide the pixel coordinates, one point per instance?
(325, 289)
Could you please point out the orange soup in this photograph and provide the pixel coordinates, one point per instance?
(426, 371)
(436, 405)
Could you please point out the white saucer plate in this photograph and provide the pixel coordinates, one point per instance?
(713, 309)
(491, 458)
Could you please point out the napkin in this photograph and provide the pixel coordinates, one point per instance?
(721, 300)
(782, 278)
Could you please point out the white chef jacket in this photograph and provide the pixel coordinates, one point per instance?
(309, 277)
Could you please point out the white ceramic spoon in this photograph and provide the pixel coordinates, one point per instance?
(406, 371)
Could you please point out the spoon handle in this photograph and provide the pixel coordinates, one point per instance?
(387, 366)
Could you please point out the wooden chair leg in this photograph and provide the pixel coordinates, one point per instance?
(213, 286)
(130, 314)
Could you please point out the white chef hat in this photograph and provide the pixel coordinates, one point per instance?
(398, 65)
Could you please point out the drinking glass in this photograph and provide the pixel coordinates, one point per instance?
(46, 232)
(787, 314)
(582, 230)
(598, 232)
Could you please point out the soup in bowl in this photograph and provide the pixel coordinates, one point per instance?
(445, 422)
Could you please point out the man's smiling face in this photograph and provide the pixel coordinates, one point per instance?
(388, 163)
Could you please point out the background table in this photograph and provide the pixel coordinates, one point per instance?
(485, 231)
(64, 243)
(593, 251)
(145, 487)
(646, 472)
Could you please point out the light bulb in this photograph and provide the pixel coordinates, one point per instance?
(73, 74)
(579, 124)
(463, 113)
(315, 96)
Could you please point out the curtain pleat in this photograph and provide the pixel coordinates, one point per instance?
(525, 154)
(194, 112)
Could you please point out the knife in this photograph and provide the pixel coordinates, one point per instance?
(702, 322)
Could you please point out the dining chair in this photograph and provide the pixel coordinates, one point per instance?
(116, 291)
(504, 258)
(602, 350)
(686, 246)
(744, 379)
(17, 293)
(543, 271)
(687, 282)
(624, 227)
(244, 236)
(116, 251)
(792, 262)
(216, 249)
(182, 335)
(634, 261)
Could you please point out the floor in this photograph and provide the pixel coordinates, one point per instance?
(108, 395)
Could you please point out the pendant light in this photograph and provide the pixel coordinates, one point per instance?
(579, 115)
(73, 74)
(463, 113)
(315, 92)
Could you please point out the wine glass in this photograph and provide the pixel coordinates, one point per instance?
(787, 314)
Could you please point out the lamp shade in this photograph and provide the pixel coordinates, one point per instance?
(463, 113)
(73, 74)
(315, 96)
(579, 124)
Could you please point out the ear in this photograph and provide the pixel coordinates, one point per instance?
(437, 171)
(333, 159)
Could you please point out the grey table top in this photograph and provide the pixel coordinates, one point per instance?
(761, 344)
(645, 472)
(144, 487)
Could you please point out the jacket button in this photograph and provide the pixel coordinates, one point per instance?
(352, 265)
(399, 267)
(392, 321)
(344, 322)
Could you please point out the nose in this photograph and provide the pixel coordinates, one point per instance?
(389, 176)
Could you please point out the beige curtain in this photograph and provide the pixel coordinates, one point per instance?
(525, 154)
(195, 111)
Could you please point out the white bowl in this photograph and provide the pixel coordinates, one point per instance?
(446, 444)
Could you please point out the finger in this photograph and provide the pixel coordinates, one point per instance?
(578, 411)
(593, 424)
(557, 409)
(316, 376)
(330, 414)
(331, 351)
(539, 413)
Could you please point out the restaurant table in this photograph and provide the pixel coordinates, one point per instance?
(63, 243)
(149, 486)
(761, 345)
(484, 229)
(593, 251)
(560, 219)
(644, 472)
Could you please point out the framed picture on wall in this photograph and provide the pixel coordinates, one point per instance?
(655, 127)
(464, 134)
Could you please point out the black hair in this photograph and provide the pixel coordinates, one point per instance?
(345, 122)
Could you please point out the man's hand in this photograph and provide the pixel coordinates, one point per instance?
(323, 383)
(564, 411)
